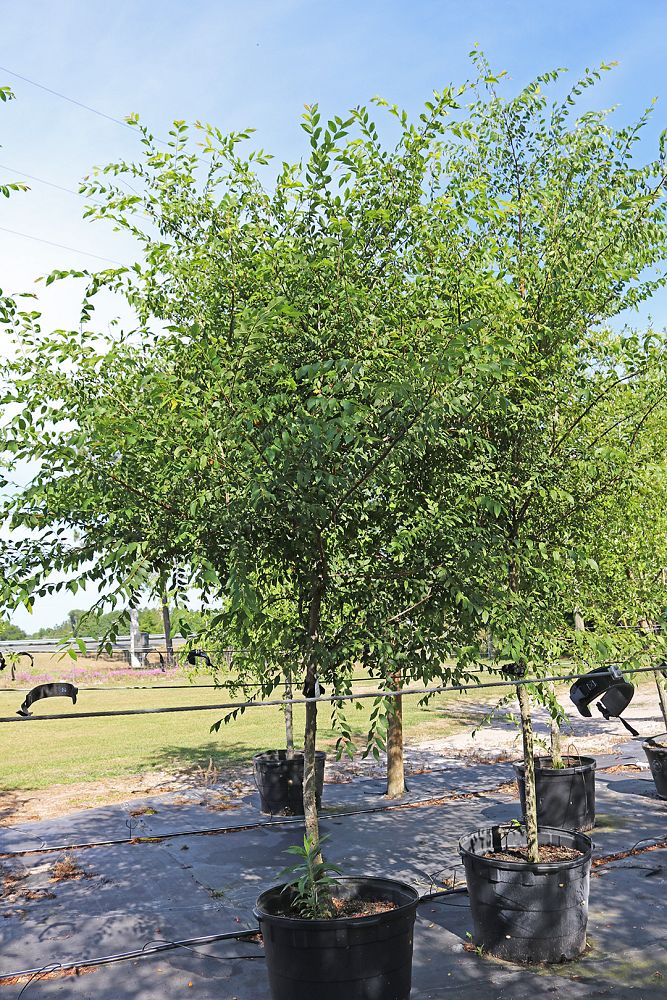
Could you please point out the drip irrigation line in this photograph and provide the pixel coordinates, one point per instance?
(320, 699)
(44, 971)
(264, 824)
(246, 827)
(153, 948)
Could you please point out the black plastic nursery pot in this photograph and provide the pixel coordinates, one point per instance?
(280, 780)
(657, 758)
(347, 958)
(524, 912)
(565, 795)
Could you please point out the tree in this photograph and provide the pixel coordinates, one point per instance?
(629, 585)
(578, 230)
(283, 426)
(9, 631)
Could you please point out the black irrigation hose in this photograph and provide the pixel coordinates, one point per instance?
(189, 943)
(262, 824)
(124, 956)
(153, 948)
(277, 702)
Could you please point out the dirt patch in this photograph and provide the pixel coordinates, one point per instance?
(221, 803)
(81, 970)
(549, 854)
(11, 884)
(58, 800)
(507, 788)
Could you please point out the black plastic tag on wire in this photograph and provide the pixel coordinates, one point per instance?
(59, 689)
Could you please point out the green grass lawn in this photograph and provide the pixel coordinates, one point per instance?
(40, 754)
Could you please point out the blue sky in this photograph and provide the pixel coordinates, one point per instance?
(254, 63)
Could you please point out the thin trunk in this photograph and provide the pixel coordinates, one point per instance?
(135, 639)
(309, 778)
(166, 624)
(289, 718)
(529, 765)
(395, 760)
(528, 749)
(662, 694)
(579, 625)
(556, 751)
(310, 734)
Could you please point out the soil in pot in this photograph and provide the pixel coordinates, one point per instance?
(565, 795)
(279, 780)
(656, 754)
(527, 912)
(347, 957)
(549, 853)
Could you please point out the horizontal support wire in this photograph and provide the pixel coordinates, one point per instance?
(332, 699)
(174, 687)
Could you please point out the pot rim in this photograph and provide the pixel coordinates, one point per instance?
(331, 922)
(649, 744)
(541, 866)
(585, 764)
(264, 755)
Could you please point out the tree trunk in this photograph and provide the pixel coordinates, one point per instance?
(309, 778)
(395, 760)
(662, 694)
(135, 640)
(579, 625)
(289, 716)
(310, 734)
(166, 624)
(529, 765)
(556, 751)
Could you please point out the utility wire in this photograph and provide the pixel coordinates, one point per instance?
(64, 97)
(61, 246)
(42, 180)
(174, 687)
(87, 107)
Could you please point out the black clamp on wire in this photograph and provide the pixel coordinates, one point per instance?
(194, 653)
(514, 670)
(609, 685)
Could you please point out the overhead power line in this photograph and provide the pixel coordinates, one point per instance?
(42, 180)
(64, 97)
(61, 246)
